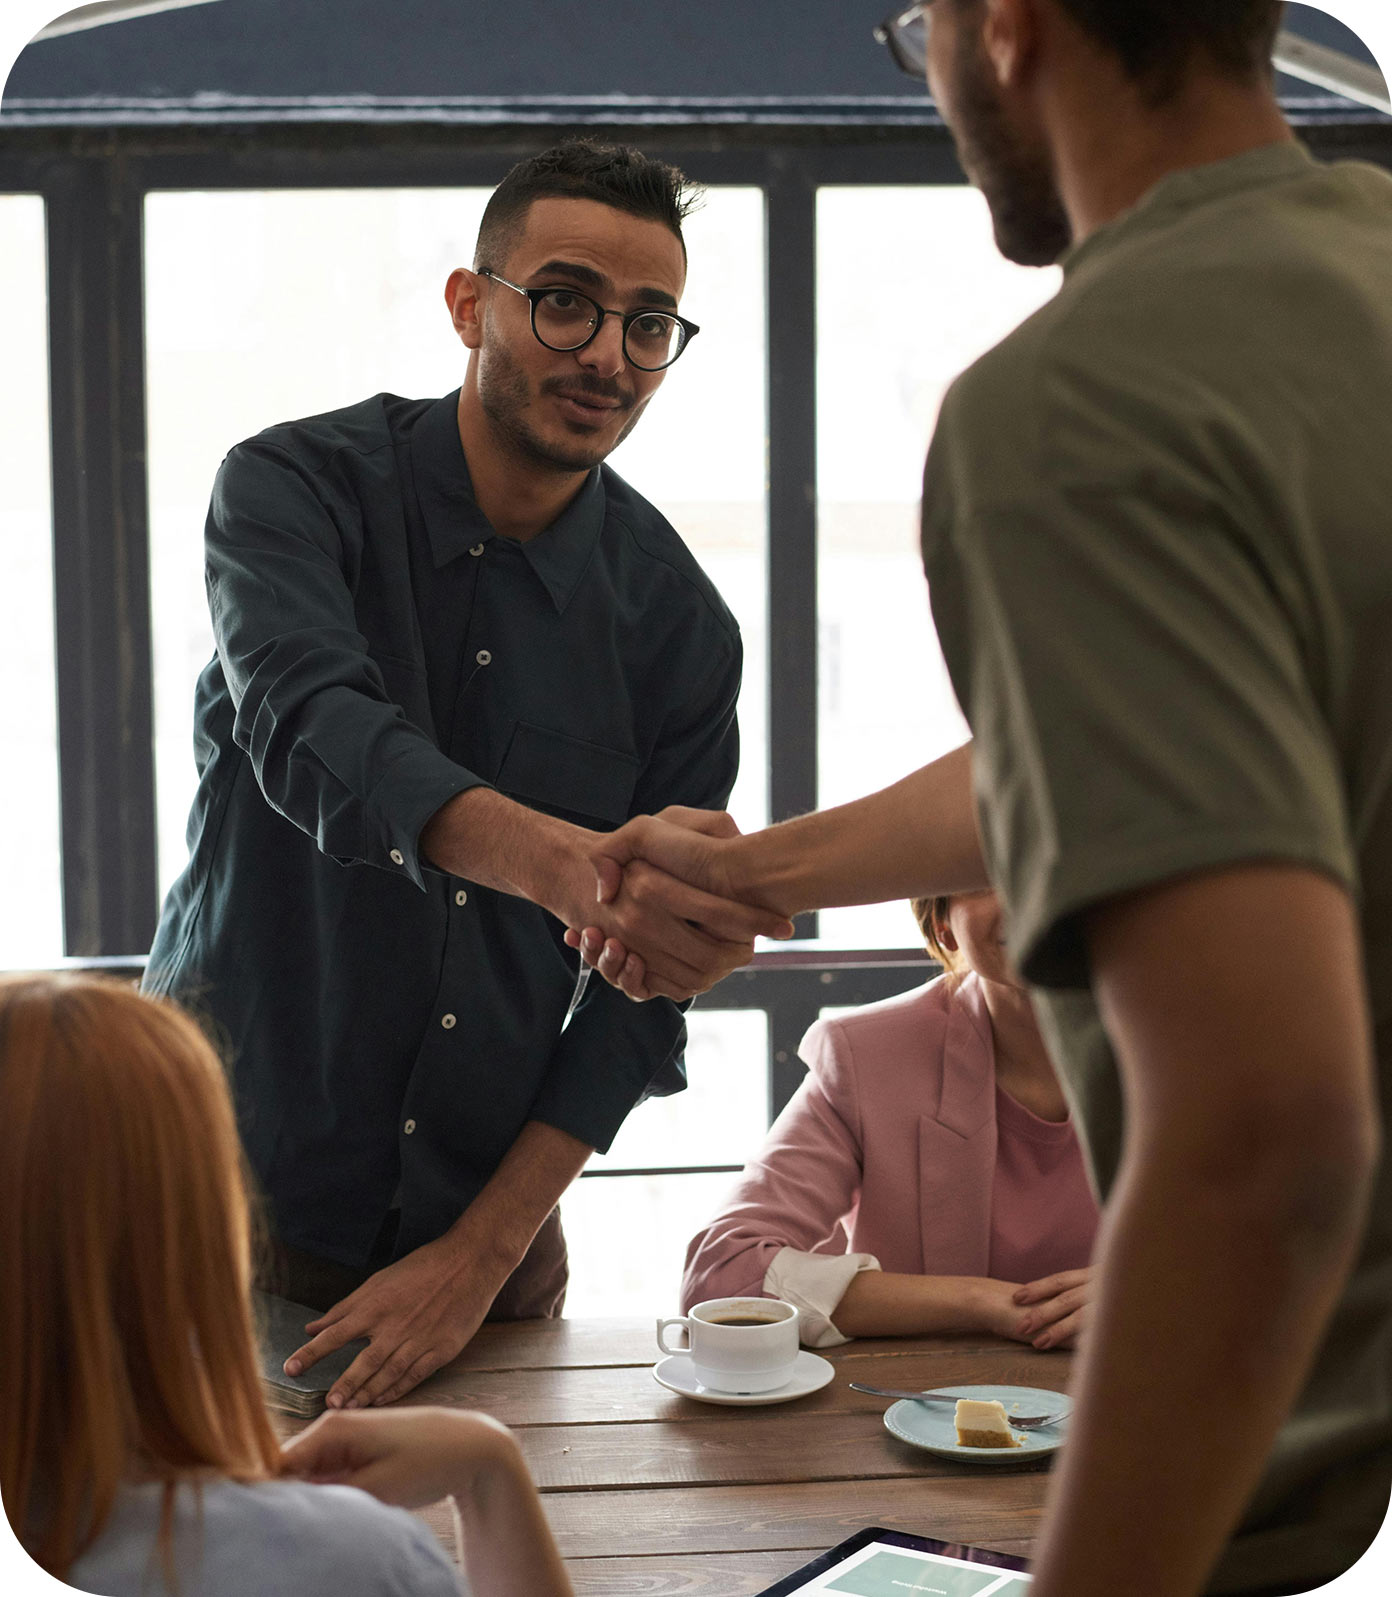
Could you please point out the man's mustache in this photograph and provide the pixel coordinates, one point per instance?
(586, 387)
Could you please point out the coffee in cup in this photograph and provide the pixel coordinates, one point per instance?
(739, 1345)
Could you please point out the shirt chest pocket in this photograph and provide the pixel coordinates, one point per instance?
(567, 776)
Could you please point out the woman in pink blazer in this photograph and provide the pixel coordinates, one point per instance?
(925, 1177)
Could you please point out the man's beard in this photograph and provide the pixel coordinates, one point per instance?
(1027, 211)
(503, 393)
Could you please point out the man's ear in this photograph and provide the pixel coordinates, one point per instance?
(1010, 36)
(465, 306)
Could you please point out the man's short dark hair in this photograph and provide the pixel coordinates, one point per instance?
(613, 174)
(1159, 40)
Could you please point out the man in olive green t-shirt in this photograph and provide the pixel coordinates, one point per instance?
(1158, 535)
(1158, 538)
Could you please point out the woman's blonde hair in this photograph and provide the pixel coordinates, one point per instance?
(126, 1343)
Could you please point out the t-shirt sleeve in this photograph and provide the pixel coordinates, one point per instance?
(378, 1549)
(1142, 656)
(420, 1568)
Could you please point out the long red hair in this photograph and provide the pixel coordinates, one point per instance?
(126, 1343)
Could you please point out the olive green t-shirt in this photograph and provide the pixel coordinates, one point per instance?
(1157, 530)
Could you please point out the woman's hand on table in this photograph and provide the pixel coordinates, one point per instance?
(1054, 1309)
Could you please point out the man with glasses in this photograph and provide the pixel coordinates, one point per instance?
(452, 648)
(1154, 528)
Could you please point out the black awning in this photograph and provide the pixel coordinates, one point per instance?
(509, 61)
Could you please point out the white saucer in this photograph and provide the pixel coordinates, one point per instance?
(810, 1374)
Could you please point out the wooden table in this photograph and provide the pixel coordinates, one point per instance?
(651, 1493)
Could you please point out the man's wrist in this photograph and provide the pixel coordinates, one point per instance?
(478, 1249)
(564, 877)
(488, 838)
(761, 868)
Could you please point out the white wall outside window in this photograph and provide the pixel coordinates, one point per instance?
(31, 911)
(628, 1234)
(911, 290)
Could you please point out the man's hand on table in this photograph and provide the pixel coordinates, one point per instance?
(417, 1314)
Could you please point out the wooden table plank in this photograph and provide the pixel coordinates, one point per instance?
(561, 1344)
(977, 1509)
(727, 1452)
(719, 1575)
(603, 1395)
(558, 1344)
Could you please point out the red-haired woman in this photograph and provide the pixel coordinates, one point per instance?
(136, 1455)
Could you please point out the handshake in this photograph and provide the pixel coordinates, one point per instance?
(682, 895)
(676, 909)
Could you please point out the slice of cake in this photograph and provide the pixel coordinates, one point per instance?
(983, 1425)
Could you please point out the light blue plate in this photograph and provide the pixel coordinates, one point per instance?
(930, 1426)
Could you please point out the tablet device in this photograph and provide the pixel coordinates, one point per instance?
(891, 1563)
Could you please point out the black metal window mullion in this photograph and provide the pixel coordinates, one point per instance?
(791, 200)
(101, 556)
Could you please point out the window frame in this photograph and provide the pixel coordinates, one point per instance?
(94, 180)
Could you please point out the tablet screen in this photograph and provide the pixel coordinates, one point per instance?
(886, 1563)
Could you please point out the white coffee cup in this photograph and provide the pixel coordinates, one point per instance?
(739, 1345)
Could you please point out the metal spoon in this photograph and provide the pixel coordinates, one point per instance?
(1023, 1422)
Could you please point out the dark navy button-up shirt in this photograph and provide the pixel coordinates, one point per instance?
(379, 649)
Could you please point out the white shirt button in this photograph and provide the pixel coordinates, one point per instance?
(477, 550)
(396, 857)
(447, 1021)
(483, 657)
(409, 1127)
(461, 898)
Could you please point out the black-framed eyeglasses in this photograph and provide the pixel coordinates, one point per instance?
(905, 34)
(565, 320)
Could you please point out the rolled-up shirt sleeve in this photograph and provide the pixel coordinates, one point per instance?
(606, 1061)
(331, 750)
(814, 1283)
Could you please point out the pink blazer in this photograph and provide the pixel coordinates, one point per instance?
(888, 1147)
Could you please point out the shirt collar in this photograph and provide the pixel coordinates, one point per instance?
(1185, 190)
(455, 524)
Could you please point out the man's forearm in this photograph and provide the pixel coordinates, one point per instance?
(916, 838)
(689, 938)
(500, 1223)
(490, 839)
(1247, 1067)
(1235, 1295)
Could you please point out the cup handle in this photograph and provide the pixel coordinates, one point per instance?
(662, 1326)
